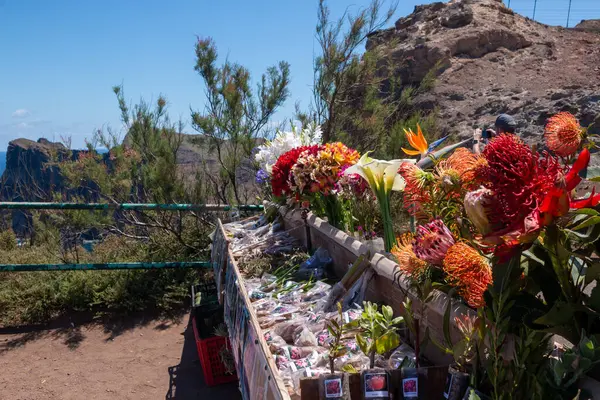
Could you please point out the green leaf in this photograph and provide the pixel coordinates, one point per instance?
(446, 326)
(587, 211)
(397, 321)
(561, 313)
(352, 324)
(588, 222)
(586, 347)
(459, 349)
(558, 372)
(349, 368)
(362, 343)
(533, 257)
(330, 330)
(387, 342)
(473, 395)
(387, 312)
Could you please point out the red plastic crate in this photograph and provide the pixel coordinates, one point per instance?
(208, 352)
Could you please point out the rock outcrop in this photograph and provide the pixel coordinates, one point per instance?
(491, 60)
(590, 25)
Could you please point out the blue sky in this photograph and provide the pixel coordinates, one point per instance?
(60, 58)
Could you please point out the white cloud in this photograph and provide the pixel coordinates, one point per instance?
(22, 125)
(21, 113)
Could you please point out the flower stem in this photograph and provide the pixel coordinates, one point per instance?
(386, 217)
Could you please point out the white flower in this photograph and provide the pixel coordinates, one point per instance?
(381, 175)
(267, 154)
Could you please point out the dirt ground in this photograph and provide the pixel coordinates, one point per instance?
(141, 359)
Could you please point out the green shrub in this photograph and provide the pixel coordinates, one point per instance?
(38, 297)
(8, 240)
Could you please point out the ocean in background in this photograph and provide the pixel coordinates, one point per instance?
(2, 162)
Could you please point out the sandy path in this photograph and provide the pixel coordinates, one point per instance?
(147, 360)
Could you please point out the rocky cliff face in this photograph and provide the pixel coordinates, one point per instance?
(29, 174)
(491, 61)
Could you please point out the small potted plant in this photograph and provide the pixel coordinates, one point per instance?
(464, 352)
(377, 335)
(335, 386)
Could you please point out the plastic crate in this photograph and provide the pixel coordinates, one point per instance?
(208, 352)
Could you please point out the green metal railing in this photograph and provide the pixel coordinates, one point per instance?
(125, 207)
(102, 266)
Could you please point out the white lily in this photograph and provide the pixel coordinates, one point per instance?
(380, 174)
(383, 177)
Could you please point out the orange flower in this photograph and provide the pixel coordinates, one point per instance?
(563, 134)
(417, 141)
(408, 262)
(415, 193)
(468, 270)
(465, 164)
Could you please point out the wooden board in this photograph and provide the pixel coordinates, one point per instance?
(258, 374)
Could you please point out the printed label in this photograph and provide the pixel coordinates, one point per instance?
(376, 385)
(333, 388)
(410, 387)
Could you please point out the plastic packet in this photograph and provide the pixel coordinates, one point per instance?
(281, 362)
(284, 310)
(317, 322)
(264, 307)
(351, 345)
(351, 315)
(295, 353)
(315, 267)
(403, 356)
(275, 343)
(314, 359)
(357, 360)
(319, 290)
(268, 322)
(266, 281)
(323, 338)
(256, 294)
(305, 338)
(291, 297)
(287, 330)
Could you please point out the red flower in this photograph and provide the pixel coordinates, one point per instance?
(558, 201)
(519, 180)
(281, 170)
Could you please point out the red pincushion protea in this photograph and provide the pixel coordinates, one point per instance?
(467, 270)
(518, 178)
(563, 134)
(283, 166)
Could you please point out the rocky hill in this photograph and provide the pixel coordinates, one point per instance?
(491, 60)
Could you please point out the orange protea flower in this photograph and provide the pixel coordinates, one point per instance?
(466, 164)
(408, 262)
(467, 270)
(318, 172)
(563, 134)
